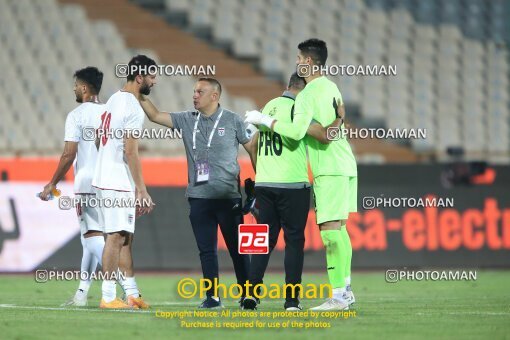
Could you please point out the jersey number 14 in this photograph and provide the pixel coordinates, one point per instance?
(106, 117)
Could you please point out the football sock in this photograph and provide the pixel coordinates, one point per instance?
(348, 254)
(109, 290)
(332, 240)
(338, 293)
(348, 283)
(83, 288)
(129, 286)
(88, 266)
(95, 245)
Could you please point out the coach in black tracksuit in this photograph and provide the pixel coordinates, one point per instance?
(282, 194)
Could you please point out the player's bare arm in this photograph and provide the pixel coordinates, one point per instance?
(133, 161)
(66, 160)
(251, 148)
(320, 133)
(154, 115)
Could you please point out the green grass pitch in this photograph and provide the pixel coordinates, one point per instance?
(404, 310)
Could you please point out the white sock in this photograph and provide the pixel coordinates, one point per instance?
(338, 293)
(109, 290)
(83, 288)
(129, 286)
(95, 245)
(88, 266)
(348, 281)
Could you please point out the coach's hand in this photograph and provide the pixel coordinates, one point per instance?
(144, 202)
(257, 118)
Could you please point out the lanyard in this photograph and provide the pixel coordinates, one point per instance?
(212, 132)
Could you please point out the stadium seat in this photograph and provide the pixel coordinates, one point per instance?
(58, 43)
(432, 43)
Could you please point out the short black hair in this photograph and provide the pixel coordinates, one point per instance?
(139, 65)
(92, 76)
(296, 82)
(214, 82)
(315, 49)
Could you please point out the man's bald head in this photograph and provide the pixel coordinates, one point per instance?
(214, 83)
(206, 95)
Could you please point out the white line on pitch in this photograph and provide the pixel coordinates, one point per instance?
(75, 309)
(469, 313)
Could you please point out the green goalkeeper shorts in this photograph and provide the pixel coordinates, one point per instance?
(335, 197)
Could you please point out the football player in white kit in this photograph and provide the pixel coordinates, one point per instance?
(80, 149)
(118, 178)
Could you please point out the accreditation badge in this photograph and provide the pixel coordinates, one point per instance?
(202, 168)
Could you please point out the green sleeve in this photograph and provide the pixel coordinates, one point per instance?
(302, 118)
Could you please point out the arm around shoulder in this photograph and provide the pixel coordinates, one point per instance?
(154, 115)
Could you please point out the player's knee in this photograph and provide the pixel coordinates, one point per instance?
(116, 239)
(330, 245)
(296, 243)
(92, 233)
(330, 225)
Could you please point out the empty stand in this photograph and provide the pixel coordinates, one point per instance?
(451, 58)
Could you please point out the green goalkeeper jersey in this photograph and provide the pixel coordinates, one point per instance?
(318, 102)
(281, 161)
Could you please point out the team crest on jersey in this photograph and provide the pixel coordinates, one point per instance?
(221, 132)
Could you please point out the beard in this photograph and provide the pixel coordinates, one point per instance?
(145, 89)
(79, 98)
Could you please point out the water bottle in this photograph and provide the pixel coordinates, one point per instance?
(54, 193)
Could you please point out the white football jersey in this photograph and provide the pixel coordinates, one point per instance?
(80, 127)
(122, 112)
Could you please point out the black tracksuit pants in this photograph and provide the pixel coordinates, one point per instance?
(205, 215)
(287, 209)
